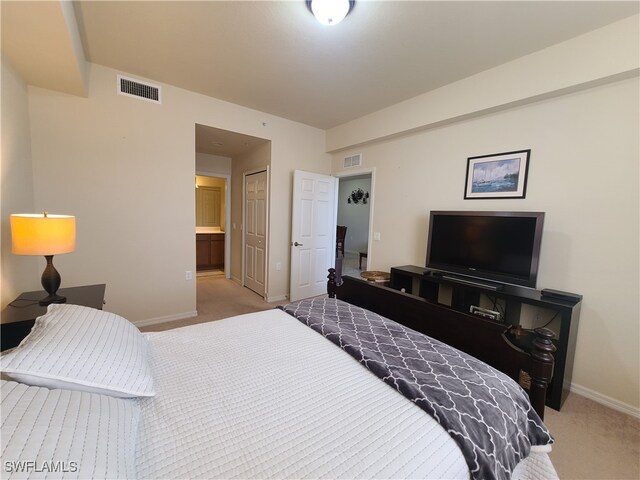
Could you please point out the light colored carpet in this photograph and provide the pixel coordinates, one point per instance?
(592, 441)
(218, 298)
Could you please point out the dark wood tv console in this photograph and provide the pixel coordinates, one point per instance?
(427, 284)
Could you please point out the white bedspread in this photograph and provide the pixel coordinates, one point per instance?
(263, 396)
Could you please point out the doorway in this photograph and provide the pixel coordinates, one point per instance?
(227, 154)
(355, 211)
(212, 213)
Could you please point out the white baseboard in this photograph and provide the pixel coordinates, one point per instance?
(277, 298)
(605, 400)
(168, 318)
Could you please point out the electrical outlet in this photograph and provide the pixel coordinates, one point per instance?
(278, 266)
(188, 275)
(376, 236)
(537, 316)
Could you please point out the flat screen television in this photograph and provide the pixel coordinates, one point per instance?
(501, 247)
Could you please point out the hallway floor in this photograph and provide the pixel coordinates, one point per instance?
(350, 264)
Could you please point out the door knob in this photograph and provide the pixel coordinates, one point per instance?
(296, 244)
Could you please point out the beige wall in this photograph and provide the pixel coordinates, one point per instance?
(19, 273)
(126, 169)
(583, 173)
(282, 168)
(576, 106)
(282, 159)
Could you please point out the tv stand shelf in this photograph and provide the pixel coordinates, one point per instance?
(465, 292)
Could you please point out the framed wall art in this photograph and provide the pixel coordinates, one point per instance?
(499, 175)
(358, 196)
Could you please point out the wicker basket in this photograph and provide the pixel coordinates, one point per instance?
(375, 276)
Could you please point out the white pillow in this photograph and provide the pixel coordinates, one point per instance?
(66, 434)
(81, 348)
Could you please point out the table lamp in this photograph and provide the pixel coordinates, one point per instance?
(48, 235)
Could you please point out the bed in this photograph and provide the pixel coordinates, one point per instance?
(262, 395)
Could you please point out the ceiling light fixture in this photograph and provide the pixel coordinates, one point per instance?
(330, 12)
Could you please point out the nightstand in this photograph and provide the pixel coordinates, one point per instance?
(20, 315)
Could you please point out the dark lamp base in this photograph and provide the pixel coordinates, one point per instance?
(48, 300)
(51, 283)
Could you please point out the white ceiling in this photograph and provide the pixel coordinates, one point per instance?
(274, 57)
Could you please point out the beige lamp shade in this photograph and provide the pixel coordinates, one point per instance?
(42, 234)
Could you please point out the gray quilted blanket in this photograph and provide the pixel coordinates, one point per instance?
(484, 411)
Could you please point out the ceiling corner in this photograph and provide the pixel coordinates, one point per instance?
(42, 42)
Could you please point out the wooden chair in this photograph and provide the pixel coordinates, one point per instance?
(341, 233)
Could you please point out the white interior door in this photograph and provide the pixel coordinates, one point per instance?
(255, 231)
(313, 232)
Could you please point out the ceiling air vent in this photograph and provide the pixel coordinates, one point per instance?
(136, 88)
(353, 160)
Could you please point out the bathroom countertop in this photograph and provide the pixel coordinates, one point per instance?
(209, 230)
